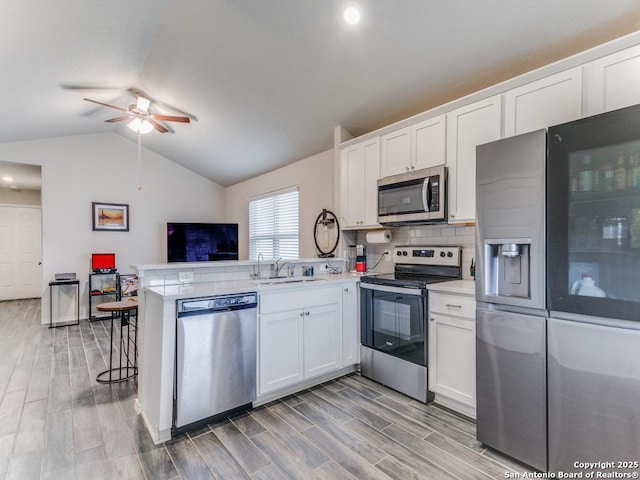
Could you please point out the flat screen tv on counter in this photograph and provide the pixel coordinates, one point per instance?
(202, 242)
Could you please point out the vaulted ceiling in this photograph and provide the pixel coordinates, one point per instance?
(266, 81)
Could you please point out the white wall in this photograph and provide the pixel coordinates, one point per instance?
(79, 170)
(315, 178)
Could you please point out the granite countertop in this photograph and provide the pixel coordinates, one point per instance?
(192, 290)
(467, 287)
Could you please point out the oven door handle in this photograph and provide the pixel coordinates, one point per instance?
(389, 289)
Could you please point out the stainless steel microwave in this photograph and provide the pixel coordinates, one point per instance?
(417, 197)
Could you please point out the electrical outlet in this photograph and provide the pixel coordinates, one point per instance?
(387, 255)
(185, 277)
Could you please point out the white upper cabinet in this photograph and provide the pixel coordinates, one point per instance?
(418, 146)
(543, 103)
(468, 127)
(360, 170)
(396, 152)
(613, 81)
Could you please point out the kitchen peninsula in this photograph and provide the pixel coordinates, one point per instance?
(307, 327)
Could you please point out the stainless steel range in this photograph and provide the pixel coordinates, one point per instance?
(394, 310)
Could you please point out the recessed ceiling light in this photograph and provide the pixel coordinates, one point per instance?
(352, 14)
(7, 178)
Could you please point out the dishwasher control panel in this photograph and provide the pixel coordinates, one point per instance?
(217, 302)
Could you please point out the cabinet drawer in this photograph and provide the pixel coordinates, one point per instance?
(298, 298)
(457, 305)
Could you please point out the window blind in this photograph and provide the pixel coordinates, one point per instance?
(273, 224)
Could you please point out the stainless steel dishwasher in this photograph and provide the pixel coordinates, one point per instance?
(215, 357)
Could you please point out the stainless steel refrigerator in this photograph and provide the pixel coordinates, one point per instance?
(558, 319)
(593, 267)
(511, 310)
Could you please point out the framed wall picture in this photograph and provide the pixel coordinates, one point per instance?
(110, 217)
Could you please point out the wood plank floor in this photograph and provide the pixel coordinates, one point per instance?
(57, 422)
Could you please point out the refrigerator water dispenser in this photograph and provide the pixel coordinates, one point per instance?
(507, 269)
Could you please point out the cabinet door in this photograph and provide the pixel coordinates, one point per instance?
(350, 325)
(322, 340)
(429, 140)
(452, 359)
(352, 170)
(360, 169)
(550, 101)
(396, 152)
(280, 347)
(468, 127)
(612, 81)
(371, 154)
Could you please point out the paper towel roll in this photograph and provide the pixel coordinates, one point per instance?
(379, 236)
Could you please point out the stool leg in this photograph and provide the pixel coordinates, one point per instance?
(135, 343)
(111, 352)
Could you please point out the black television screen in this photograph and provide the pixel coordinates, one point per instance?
(202, 242)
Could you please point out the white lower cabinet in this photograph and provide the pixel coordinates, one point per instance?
(321, 340)
(350, 324)
(300, 336)
(452, 351)
(281, 361)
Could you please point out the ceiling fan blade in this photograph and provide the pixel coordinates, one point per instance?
(106, 104)
(157, 126)
(171, 118)
(118, 119)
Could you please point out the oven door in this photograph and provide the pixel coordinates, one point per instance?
(394, 321)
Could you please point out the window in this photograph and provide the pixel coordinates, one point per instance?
(273, 224)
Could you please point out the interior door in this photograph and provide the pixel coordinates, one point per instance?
(20, 252)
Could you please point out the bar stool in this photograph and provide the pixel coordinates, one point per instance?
(126, 367)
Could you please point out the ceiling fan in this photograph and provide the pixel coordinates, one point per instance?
(141, 119)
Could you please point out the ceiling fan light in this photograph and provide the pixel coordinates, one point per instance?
(142, 104)
(142, 126)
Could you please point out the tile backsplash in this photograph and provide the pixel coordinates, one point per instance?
(465, 236)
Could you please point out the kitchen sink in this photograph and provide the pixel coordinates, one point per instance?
(280, 280)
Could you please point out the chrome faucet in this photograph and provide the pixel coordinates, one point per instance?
(278, 267)
(259, 273)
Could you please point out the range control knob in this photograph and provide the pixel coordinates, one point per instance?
(398, 253)
(449, 254)
(404, 253)
(442, 254)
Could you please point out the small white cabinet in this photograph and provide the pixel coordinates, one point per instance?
(549, 101)
(468, 127)
(360, 170)
(322, 339)
(281, 361)
(300, 335)
(612, 81)
(452, 351)
(414, 147)
(350, 324)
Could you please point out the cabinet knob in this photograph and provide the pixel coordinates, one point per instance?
(406, 168)
(452, 216)
(451, 305)
(413, 167)
(306, 313)
(301, 314)
(346, 289)
(433, 319)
